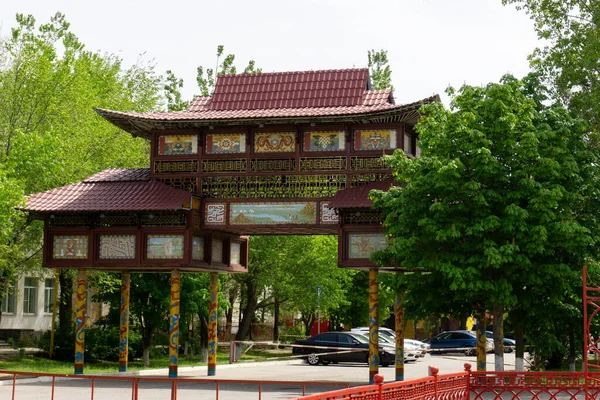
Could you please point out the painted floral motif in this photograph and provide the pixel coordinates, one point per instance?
(225, 143)
(117, 247)
(164, 247)
(234, 257)
(197, 248)
(324, 141)
(274, 142)
(70, 247)
(362, 245)
(377, 139)
(170, 145)
(273, 213)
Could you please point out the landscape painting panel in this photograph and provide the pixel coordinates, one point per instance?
(164, 247)
(273, 213)
(362, 245)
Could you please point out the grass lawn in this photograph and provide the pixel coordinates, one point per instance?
(44, 365)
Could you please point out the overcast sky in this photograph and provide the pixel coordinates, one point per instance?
(431, 43)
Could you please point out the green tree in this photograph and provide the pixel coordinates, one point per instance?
(504, 196)
(380, 70)
(49, 133)
(570, 58)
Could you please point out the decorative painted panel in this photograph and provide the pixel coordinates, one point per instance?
(324, 141)
(273, 213)
(328, 215)
(225, 143)
(275, 142)
(215, 214)
(362, 245)
(217, 250)
(375, 139)
(164, 247)
(234, 254)
(197, 248)
(70, 247)
(117, 247)
(172, 145)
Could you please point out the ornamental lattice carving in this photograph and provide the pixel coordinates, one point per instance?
(220, 166)
(70, 220)
(322, 163)
(366, 163)
(189, 184)
(273, 165)
(115, 220)
(359, 180)
(164, 219)
(166, 167)
(270, 187)
(362, 217)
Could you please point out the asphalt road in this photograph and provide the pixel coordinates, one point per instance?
(285, 378)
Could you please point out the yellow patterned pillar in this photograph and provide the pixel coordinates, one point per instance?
(80, 321)
(373, 325)
(124, 321)
(399, 311)
(481, 343)
(174, 323)
(212, 323)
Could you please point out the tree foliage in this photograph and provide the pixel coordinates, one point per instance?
(380, 70)
(570, 58)
(501, 207)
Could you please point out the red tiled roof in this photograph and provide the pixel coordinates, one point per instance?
(110, 190)
(303, 89)
(120, 175)
(358, 197)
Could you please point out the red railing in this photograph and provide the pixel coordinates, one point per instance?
(476, 386)
(100, 387)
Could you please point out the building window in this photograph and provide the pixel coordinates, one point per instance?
(30, 296)
(48, 295)
(8, 298)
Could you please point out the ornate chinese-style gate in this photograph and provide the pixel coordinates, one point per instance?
(273, 153)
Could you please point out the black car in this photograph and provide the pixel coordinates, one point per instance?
(336, 343)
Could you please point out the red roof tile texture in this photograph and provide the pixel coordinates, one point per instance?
(110, 190)
(329, 88)
(358, 197)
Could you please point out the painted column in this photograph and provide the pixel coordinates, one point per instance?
(373, 325)
(212, 323)
(481, 343)
(174, 323)
(54, 305)
(80, 321)
(399, 311)
(124, 321)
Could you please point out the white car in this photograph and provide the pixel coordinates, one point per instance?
(411, 346)
(411, 352)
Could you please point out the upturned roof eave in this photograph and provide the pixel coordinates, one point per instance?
(141, 126)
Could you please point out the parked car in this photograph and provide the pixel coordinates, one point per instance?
(509, 344)
(332, 342)
(391, 335)
(411, 352)
(457, 342)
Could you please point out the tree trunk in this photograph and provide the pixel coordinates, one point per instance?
(203, 340)
(65, 306)
(498, 337)
(250, 304)
(147, 331)
(276, 321)
(572, 349)
(520, 345)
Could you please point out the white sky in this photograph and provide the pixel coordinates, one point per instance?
(431, 43)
